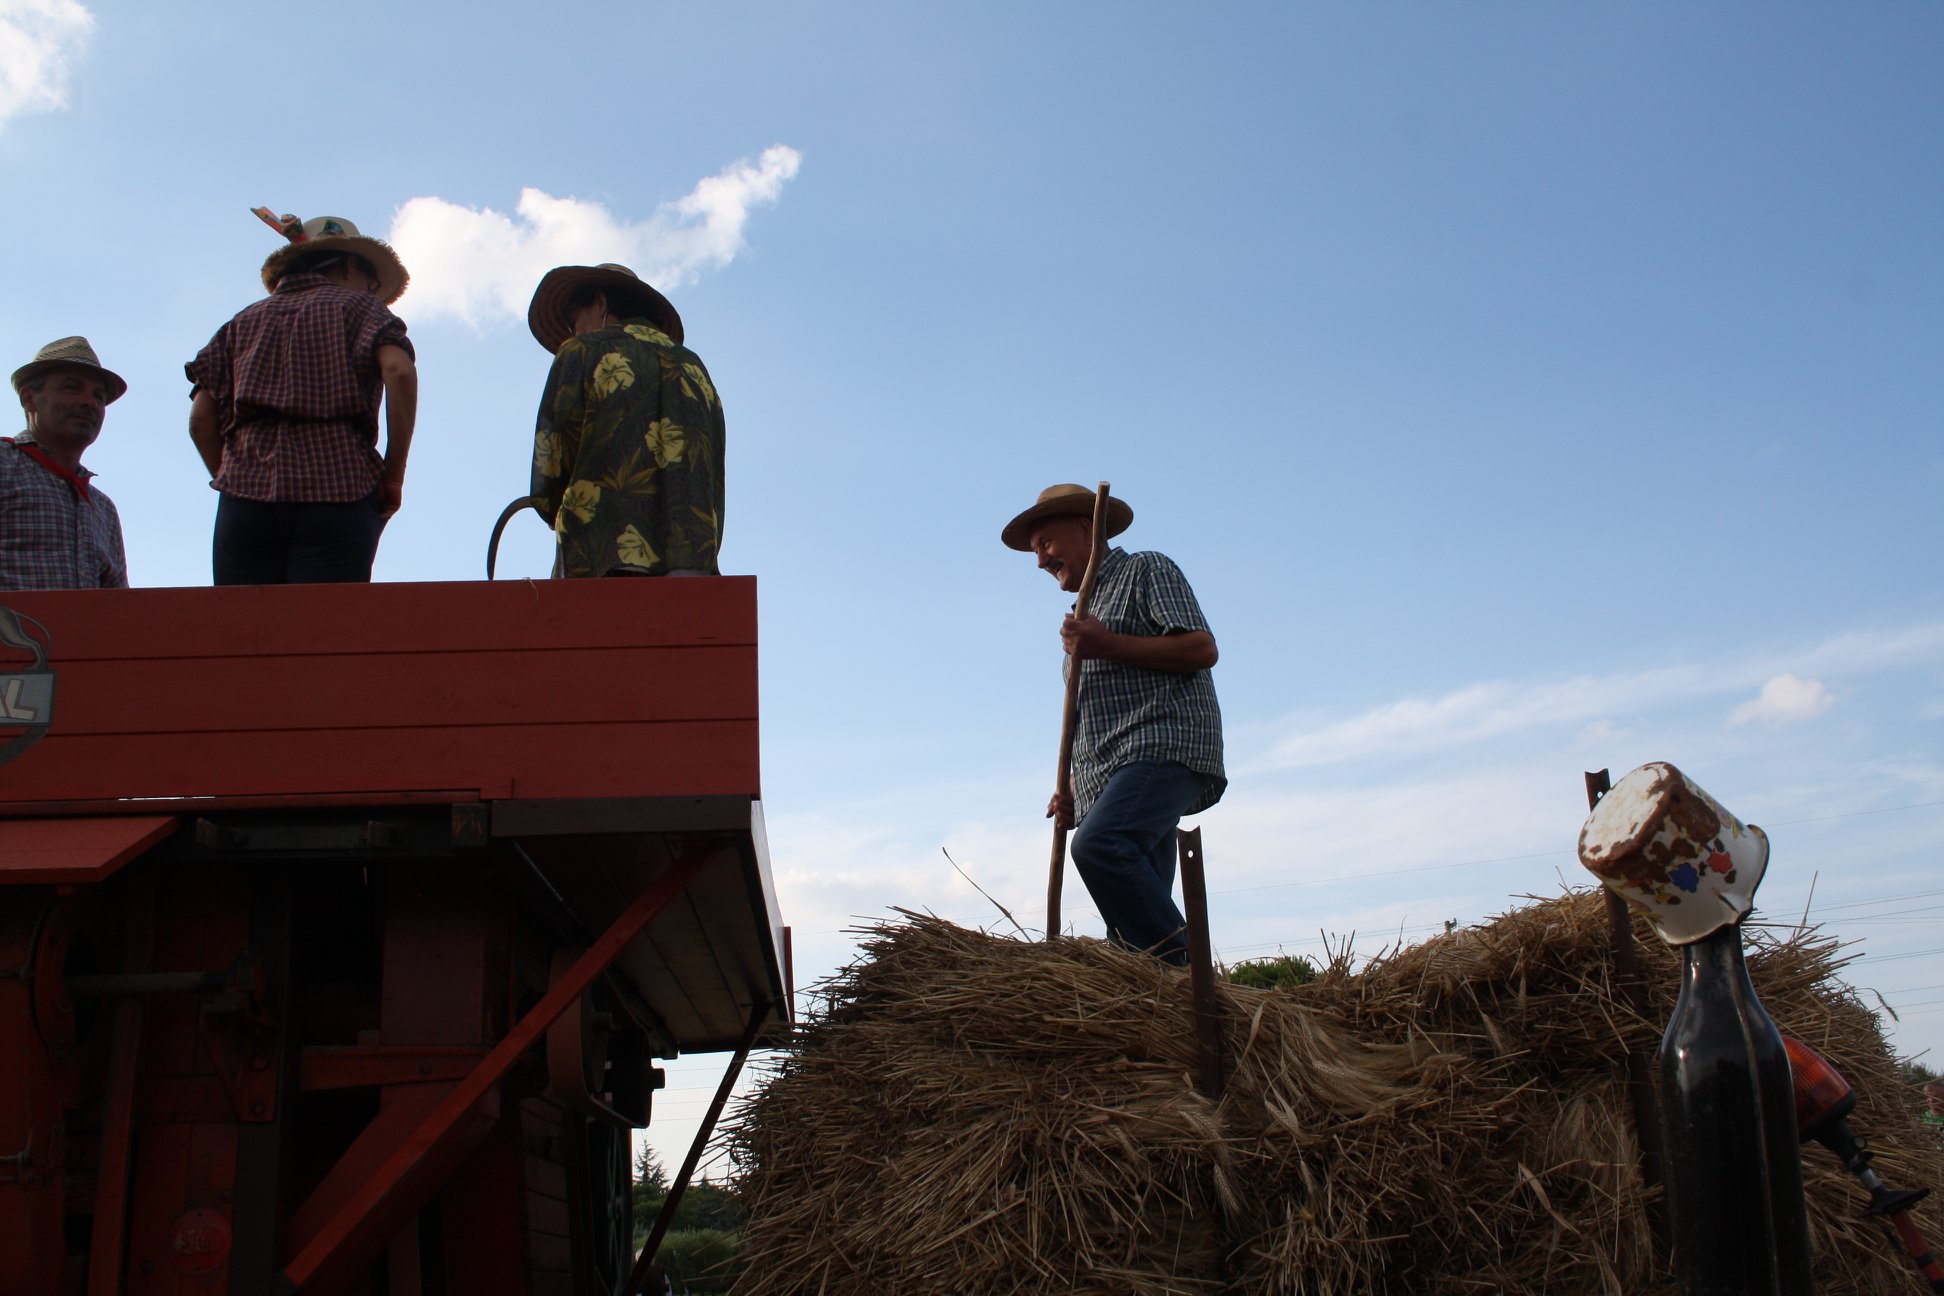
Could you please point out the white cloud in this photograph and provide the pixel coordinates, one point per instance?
(1783, 699)
(1494, 708)
(481, 265)
(38, 38)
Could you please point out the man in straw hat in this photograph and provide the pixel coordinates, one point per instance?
(57, 529)
(1148, 747)
(285, 410)
(628, 447)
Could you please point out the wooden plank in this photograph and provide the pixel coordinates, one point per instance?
(623, 757)
(75, 850)
(187, 696)
(547, 1215)
(545, 1178)
(279, 620)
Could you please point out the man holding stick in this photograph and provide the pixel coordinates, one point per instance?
(1147, 748)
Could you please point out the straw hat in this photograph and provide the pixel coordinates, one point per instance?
(1675, 853)
(332, 234)
(547, 316)
(1064, 500)
(68, 353)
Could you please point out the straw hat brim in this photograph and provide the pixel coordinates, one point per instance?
(392, 276)
(117, 386)
(1018, 533)
(547, 315)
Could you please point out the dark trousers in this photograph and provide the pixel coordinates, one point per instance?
(1125, 852)
(295, 542)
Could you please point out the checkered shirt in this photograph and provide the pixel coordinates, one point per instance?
(50, 536)
(296, 383)
(1130, 713)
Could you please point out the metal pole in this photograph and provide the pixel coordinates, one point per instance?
(666, 1215)
(1627, 985)
(1201, 967)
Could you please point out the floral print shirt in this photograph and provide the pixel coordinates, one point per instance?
(627, 455)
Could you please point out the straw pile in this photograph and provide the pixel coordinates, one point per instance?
(970, 1113)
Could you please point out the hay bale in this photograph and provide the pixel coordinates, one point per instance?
(969, 1113)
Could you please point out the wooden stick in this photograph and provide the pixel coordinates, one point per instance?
(1070, 714)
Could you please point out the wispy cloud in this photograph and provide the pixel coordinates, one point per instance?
(38, 41)
(1783, 699)
(481, 265)
(1495, 708)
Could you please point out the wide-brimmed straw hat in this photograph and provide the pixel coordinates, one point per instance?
(332, 234)
(626, 294)
(1064, 500)
(69, 353)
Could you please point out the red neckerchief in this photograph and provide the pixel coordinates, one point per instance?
(46, 461)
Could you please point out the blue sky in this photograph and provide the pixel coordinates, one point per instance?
(1525, 389)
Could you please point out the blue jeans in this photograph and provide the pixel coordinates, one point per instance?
(1125, 852)
(294, 542)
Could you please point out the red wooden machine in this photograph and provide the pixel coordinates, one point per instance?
(340, 925)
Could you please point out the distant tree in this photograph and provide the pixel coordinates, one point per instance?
(704, 1206)
(701, 1260)
(1914, 1073)
(649, 1176)
(1279, 973)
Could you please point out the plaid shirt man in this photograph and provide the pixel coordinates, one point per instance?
(1129, 713)
(296, 380)
(55, 533)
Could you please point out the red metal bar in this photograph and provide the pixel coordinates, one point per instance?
(646, 1259)
(107, 1246)
(1201, 968)
(350, 1228)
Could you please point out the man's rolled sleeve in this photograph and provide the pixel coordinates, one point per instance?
(1167, 599)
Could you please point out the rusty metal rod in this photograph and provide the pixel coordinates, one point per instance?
(1625, 958)
(1201, 967)
(117, 984)
(1070, 713)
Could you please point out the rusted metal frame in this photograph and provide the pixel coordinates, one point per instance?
(107, 1246)
(117, 985)
(1070, 713)
(360, 1066)
(757, 1016)
(1211, 1077)
(351, 1225)
(1625, 957)
(255, 1017)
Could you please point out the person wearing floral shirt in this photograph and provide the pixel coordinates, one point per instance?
(628, 446)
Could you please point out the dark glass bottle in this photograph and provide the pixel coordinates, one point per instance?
(1734, 1183)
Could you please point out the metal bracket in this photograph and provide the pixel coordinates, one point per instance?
(233, 1027)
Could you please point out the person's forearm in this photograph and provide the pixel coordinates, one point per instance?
(1180, 654)
(401, 415)
(206, 434)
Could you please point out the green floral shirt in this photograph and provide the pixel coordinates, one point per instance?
(627, 455)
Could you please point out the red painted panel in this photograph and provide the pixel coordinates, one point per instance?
(279, 620)
(75, 850)
(619, 758)
(404, 690)
(534, 689)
